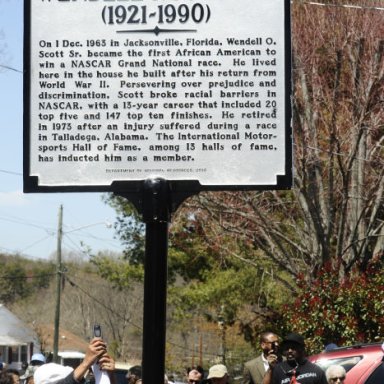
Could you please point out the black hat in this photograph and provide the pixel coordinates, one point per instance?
(135, 370)
(294, 338)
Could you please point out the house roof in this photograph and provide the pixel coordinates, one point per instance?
(67, 340)
(13, 331)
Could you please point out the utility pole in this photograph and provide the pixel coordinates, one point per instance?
(223, 328)
(58, 286)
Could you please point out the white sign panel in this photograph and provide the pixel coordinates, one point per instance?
(121, 90)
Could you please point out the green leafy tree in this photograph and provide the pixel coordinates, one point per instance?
(12, 283)
(220, 281)
(123, 272)
(129, 228)
(20, 278)
(40, 275)
(344, 313)
(117, 271)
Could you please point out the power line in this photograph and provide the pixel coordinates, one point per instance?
(51, 232)
(9, 277)
(73, 284)
(23, 222)
(11, 172)
(10, 68)
(36, 242)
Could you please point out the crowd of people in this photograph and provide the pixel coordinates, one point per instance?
(96, 363)
(286, 362)
(282, 362)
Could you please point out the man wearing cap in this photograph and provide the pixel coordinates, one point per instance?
(37, 360)
(296, 369)
(254, 370)
(96, 353)
(218, 374)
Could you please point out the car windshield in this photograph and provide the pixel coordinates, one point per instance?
(347, 362)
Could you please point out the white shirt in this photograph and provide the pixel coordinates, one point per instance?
(265, 362)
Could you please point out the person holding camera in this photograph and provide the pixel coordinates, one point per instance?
(254, 370)
(96, 354)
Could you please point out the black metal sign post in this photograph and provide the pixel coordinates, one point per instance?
(157, 203)
(156, 215)
(155, 296)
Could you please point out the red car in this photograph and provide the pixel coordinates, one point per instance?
(363, 363)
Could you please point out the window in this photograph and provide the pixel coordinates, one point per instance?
(24, 353)
(377, 377)
(347, 362)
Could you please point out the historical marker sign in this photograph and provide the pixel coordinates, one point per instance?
(124, 90)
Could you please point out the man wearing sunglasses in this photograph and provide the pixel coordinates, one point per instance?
(296, 369)
(195, 375)
(254, 370)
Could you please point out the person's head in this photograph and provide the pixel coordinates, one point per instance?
(269, 341)
(38, 359)
(335, 374)
(134, 374)
(10, 376)
(330, 347)
(51, 373)
(293, 348)
(5, 377)
(218, 374)
(195, 375)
